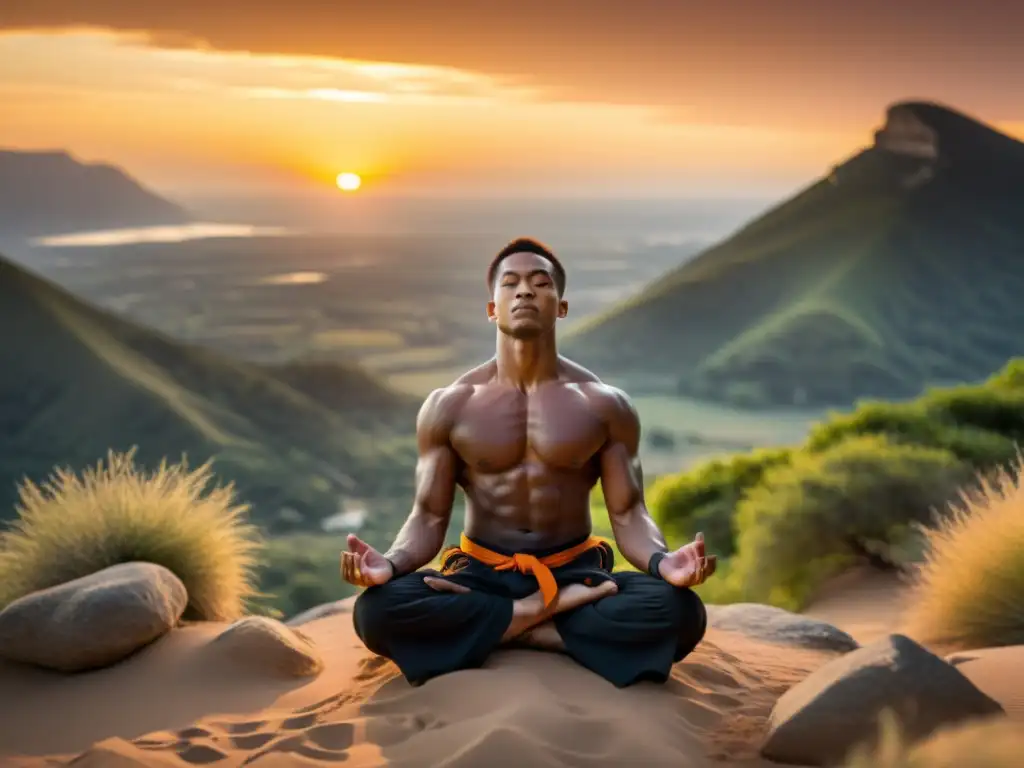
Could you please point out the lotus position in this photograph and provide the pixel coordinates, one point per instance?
(527, 435)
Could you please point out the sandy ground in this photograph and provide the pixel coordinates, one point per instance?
(181, 702)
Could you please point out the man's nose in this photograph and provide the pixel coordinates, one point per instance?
(524, 293)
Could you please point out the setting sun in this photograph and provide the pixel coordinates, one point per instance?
(349, 182)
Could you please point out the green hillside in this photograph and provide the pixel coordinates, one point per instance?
(78, 382)
(903, 268)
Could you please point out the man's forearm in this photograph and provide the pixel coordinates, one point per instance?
(418, 542)
(636, 536)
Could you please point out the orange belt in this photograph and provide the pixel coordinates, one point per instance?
(540, 567)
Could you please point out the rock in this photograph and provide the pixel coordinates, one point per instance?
(265, 643)
(838, 706)
(93, 621)
(322, 611)
(775, 625)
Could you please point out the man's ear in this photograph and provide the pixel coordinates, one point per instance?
(563, 308)
(490, 312)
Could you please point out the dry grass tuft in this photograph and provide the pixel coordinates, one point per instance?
(988, 743)
(968, 590)
(72, 526)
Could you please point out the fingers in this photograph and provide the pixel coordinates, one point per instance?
(706, 567)
(712, 565)
(346, 567)
(698, 540)
(356, 545)
(351, 570)
(444, 585)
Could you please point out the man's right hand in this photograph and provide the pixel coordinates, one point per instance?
(364, 566)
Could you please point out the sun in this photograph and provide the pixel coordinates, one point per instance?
(348, 182)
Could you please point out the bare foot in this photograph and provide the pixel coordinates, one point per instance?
(575, 595)
(530, 611)
(544, 637)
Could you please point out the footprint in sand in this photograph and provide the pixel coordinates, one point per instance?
(201, 754)
(328, 742)
(238, 729)
(300, 722)
(251, 741)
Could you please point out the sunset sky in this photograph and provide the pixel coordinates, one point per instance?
(457, 97)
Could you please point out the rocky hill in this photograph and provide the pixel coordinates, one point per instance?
(901, 268)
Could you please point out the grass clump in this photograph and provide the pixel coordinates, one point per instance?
(969, 587)
(986, 743)
(811, 518)
(73, 526)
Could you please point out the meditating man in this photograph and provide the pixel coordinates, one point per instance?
(527, 435)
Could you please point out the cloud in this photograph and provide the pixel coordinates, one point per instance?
(745, 60)
(125, 64)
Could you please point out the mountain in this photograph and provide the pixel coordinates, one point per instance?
(902, 268)
(46, 193)
(79, 381)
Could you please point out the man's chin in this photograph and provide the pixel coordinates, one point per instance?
(522, 330)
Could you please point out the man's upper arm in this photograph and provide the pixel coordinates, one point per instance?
(437, 463)
(621, 473)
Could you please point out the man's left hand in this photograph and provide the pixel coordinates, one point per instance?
(688, 566)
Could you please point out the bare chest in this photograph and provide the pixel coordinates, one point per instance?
(500, 428)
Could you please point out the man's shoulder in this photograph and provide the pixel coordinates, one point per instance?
(442, 405)
(481, 374)
(574, 373)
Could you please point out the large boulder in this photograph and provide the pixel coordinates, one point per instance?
(93, 621)
(775, 625)
(840, 705)
(268, 645)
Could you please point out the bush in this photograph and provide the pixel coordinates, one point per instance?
(987, 408)
(72, 527)
(811, 518)
(969, 588)
(930, 422)
(705, 498)
(1010, 377)
(987, 743)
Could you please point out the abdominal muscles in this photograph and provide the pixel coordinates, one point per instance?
(530, 505)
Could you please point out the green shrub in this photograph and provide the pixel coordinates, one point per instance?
(988, 408)
(928, 422)
(74, 526)
(1010, 377)
(705, 497)
(812, 517)
(968, 590)
(904, 422)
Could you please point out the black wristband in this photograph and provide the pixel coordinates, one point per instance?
(394, 568)
(654, 562)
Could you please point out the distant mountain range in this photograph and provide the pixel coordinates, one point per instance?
(903, 267)
(295, 439)
(47, 193)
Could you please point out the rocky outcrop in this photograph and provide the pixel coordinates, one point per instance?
(775, 625)
(268, 645)
(904, 133)
(840, 705)
(93, 621)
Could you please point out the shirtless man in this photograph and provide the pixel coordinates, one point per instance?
(527, 435)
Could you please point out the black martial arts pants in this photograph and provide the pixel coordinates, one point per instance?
(633, 635)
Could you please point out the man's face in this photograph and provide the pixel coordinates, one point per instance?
(525, 302)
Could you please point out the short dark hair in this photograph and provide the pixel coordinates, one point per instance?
(527, 245)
